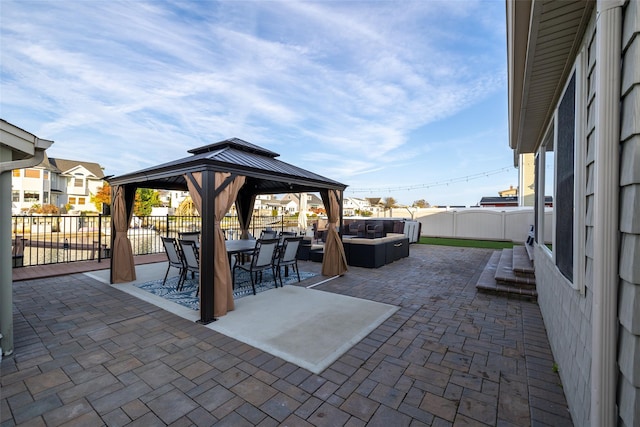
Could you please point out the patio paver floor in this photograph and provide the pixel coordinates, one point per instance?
(87, 354)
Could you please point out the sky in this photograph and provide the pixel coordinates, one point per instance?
(394, 99)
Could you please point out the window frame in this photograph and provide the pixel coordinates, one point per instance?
(579, 73)
(27, 196)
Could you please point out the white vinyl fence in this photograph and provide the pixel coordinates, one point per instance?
(511, 224)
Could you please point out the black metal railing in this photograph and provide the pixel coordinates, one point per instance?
(50, 239)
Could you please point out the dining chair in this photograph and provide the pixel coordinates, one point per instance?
(262, 258)
(287, 256)
(176, 260)
(191, 260)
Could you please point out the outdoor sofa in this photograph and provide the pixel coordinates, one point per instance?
(375, 252)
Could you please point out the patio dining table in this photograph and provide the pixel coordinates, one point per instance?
(239, 246)
(235, 247)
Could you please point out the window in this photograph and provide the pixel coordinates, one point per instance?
(45, 174)
(32, 173)
(31, 197)
(46, 197)
(545, 173)
(16, 172)
(78, 182)
(555, 172)
(72, 200)
(15, 195)
(81, 200)
(564, 197)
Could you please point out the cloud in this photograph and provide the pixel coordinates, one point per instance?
(153, 79)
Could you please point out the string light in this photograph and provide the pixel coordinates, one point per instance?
(466, 178)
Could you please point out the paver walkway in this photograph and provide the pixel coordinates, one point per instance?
(87, 354)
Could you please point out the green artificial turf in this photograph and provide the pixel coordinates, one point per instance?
(467, 243)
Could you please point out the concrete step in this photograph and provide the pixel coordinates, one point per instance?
(487, 277)
(505, 275)
(488, 284)
(521, 264)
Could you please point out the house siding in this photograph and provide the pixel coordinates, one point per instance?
(629, 286)
(567, 313)
(567, 317)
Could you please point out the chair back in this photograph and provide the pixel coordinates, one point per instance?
(289, 249)
(286, 234)
(172, 250)
(264, 252)
(268, 234)
(190, 235)
(190, 252)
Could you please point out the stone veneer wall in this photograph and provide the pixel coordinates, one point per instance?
(629, 286)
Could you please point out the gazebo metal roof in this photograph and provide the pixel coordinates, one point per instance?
(265, 173)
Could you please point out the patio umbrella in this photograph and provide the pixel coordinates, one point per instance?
(302, 213)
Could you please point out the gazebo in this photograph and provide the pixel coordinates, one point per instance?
(216, 176)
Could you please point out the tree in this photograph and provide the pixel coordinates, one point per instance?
(102, 197)
(362, 212)
(389, 203)
(145, 200)
(422, 203)
(49, 209)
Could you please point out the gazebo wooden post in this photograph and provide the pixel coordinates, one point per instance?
(207, 247)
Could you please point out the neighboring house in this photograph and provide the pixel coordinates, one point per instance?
(313, 202)
(526, 179)
(57, 182)
(499, 202)
(353, 206)
(507, 202)
(509, 192)
(288, 207)
(574, 101)
(264, 204)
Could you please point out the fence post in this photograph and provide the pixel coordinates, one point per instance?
(100, 237)
(166, 233)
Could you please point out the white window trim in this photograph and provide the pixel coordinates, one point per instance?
(580, 173)
(579, 178)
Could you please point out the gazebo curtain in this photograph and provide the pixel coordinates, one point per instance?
(122, 266)
(334, 262)
(244, 206)
(223, 291)
(226, 195)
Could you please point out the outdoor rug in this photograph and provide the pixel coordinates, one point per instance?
(187, 295)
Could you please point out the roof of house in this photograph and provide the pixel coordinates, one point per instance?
(506, 200)
(493, 200)
(65, 165)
